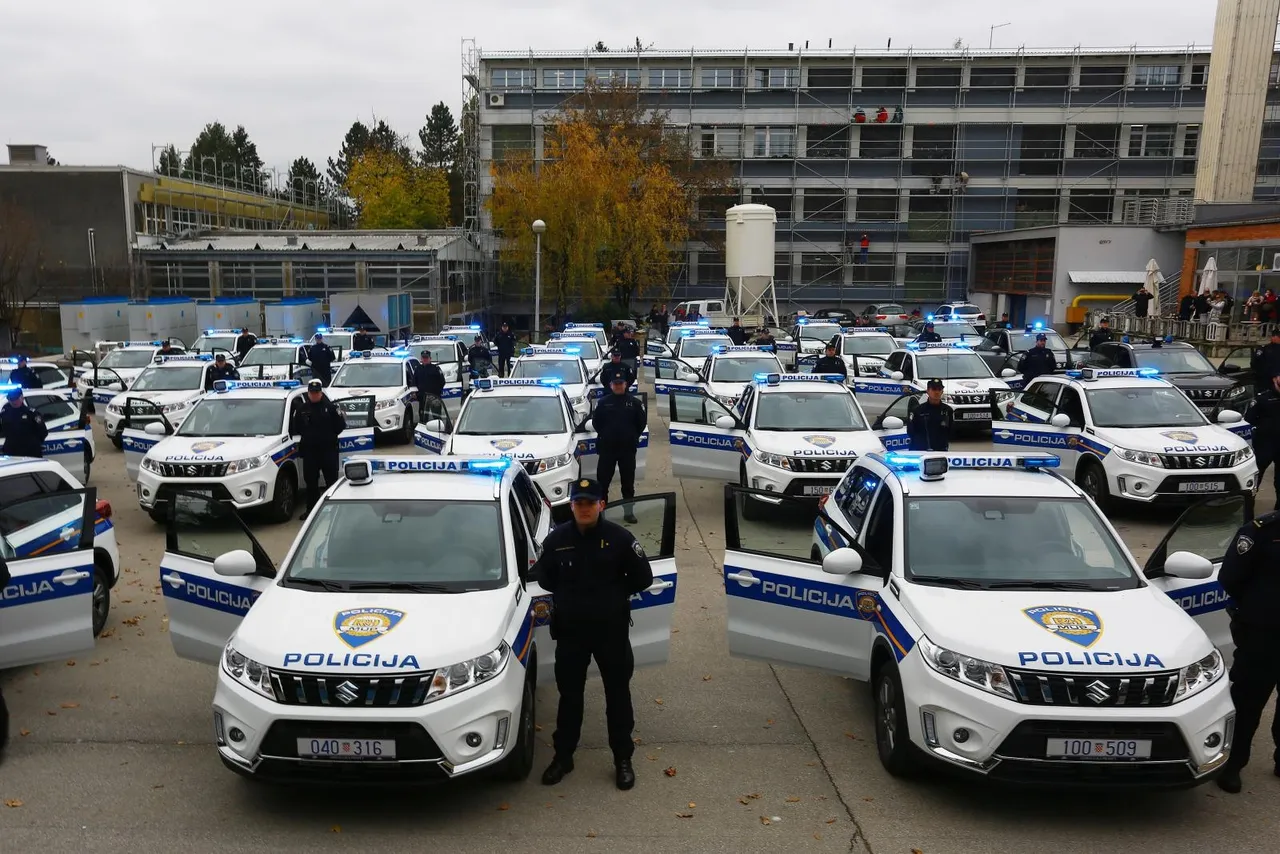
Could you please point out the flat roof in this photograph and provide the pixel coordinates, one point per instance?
(625, 56)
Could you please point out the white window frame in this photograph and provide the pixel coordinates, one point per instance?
(763, 141)
(671, 78)
(1143, 133)
(564, 79)
(1157, 75)
(723, 78)
(1191, 133)
(777, 78)
(528, 78)
(616, 76)
(726, 141)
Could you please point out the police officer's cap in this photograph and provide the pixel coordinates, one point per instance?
(935, 383)
(315, 385)
(21, 358)
(928, 324)
(220, 357)
(425, 354)
(615, 352)
(1042, 337)
(478, 338)
(14, 393)
(585, 488)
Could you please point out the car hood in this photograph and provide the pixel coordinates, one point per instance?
(378, 392)
(1206, 439)
(515, 447)
(1120, 631)
(313, 630)
(816, 443)
(1200, 380)
(210, 449)
(160, 397)
(972, 386)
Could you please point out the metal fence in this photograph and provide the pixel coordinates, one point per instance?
(1240, 333)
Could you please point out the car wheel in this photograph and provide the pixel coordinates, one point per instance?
(519, 762)
(406, 431)
(893, 738)
(118, 441)
(101, 597)
(1093, 480)
(752, 509)
(285, 499)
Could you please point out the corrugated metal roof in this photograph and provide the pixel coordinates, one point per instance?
(314, 242)
(1108, 277)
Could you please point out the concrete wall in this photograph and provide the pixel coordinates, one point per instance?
(1127, 249)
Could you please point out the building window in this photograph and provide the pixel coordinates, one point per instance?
(879, 142)
(616, 76)
(1014, 266)
(1103, 76)
(1199, 75)
(1040, 152)
(883, 77)
(1151, 140)
(928, 216)
(1047, 77)
(782, 268)
(1191, 141)
(934, 142)
(723, 78)
(1098, 142)
(720, 142)
(992, 77)
(1273, 77)
(821, 268)
(774, 142)
(1157, 75)
(778, 198)
(827, 141)
(926, 276)
(825, 205)
(876, 269)
(937, 77)
(830, 78)
(876, 206)
(777, 78)
(1090, 206)
(564, 79)
(711, 268)
(512, 78)
(509, 140)
(670, 78)
(1033, 208)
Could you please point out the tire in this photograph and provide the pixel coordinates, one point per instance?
(406, 431)
(515, 768)
(101, 596)
(284, 503)
(158, 515)
(893, 739)
(1092, 478)
(118, 441)
(752, 510)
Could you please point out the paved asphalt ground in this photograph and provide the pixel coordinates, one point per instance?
(112, 752)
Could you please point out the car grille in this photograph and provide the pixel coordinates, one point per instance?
(1056, 689)
(1196, 461)
(306, 689)
(1028, 739)
(412, 741)
(977, 399)
(1204, 393)
(821, 465)
(353, 405)
(193, 469)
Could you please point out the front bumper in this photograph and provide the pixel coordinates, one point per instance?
(796, 484)
(251, 489)
(555, 483)
(1006, 739)
(389, 420)
(1149, 485)
(430, 739)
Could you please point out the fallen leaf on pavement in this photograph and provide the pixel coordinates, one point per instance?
(817, 836)
(706, 678)
(743, 801)
(670, 772)
(831, 821)
(591, 834)
(337, 828)
(684, 815)
(812, 764)
(793, 800)
(504, 807)
(158, 786)
(651, 757)
(658, 700)
(692, 805)
(868, 800)
(114, 697)
(51, 713)
(24, 732)
(755, 796)
(916, 851)
(764, 819)
(71, 663)
(537, 727)
(70, 705)
(13, 803)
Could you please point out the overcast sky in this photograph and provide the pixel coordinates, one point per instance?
(101, 82)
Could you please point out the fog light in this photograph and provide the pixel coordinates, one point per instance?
(247, 493)
(474, 739)
(768, 487)
(559, 490)
(961, 735)
(930, 732)
(236, 734)
(1214, 739)
(1139, 486)
(500, 740)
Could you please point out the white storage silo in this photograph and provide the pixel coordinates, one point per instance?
(86, 322)
(749, 260)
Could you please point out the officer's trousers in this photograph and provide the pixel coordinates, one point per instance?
(1255, 673)
(314, 465)
(626, 466)
(611, 649)
(1264, 450)
(504, 364)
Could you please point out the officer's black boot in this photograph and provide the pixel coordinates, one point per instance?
(1229, 781)
(630, 515)
(556, 771)
(625, 774)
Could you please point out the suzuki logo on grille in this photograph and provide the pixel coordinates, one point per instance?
(191, 470)
(347, 693)
(1098, 691)
(826, 465)
(1202, 461)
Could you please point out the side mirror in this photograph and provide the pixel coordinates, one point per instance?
(588, 426)
(155, 428)
(1007, 373)
(842, 562)
(1187, 565)
(1061, 419)
(897, 376)
(724, 422)
(892, 422)
(1229, 416)
(87, 365)
(436, 426)
(237, 563)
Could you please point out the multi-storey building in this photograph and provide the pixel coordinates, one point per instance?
(916, 150)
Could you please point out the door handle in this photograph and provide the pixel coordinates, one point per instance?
(174, 579)
(71, 576)
(659, 586)
(743, 578)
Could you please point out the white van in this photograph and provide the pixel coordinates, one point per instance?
(714, 311)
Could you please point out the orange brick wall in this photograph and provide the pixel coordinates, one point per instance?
(1219, 234)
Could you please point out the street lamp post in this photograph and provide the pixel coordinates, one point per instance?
(539, 227)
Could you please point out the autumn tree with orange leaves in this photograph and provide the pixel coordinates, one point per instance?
(393, 191)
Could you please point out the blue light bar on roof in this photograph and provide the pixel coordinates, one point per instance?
(240, 385)
(862, 330)
(448, 465)
(917, 462)
(584, 326)
(186, 357)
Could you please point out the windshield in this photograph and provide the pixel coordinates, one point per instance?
(1181, 360)
(1143, 407)
(364, 374)
(338, 340)
(447, 352)
(819, 331)
(700, 347)
(260, 355)
(222, 416)
(965, 309)
(955, 330)
(568, 370)
(742, 369)
(1023, 341)
(869, 345)
(952, 366)
(208, 343)
(485, 415)
(808, 410)
(127, 359)
(597, 335)
(589, 350)
(457, 544)
(168, 379)
(887, 308)
(966, 538)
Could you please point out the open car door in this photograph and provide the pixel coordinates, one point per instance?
(102, 384)
(891, 425)
(47, 608)
(358, 413)
(69, 441)
(1204, 529)
(707, 440)
(1032, 423)
(433, 440)
(205, 607)
(135, 439)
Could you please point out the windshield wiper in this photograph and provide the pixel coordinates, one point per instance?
(1045, 585)
(944, 581)
(412, 586)
(336, 586)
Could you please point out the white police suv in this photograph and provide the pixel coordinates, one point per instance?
(50, 375)
(864, 349)
(807, 338)
(467, 334)
(387, 375)
(450, 356)
(169, 388)
(1063, 662)
(70, 439)
(562, 363)
(1125, 433)
(233, 446)
(589, 349)
(724, 374)
(276, 359)
(790, 434)
(214, 341)
(106, 377)
(967, 382)
(666, 347)
(415, 660)
(594, 331)
(695, 345)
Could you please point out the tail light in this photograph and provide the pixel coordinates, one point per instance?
(902, 317)
(982, 317)
(104, 508)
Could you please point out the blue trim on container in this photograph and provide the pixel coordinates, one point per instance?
(97, 300)
(164, 301)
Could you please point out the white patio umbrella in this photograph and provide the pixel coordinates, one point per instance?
(1152, 284)
(1209, 277)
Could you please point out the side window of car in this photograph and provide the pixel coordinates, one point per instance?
(894, 362)
(51, 408)
(519, 535)
(17, 488)
(908, 367)
(530, 501)
(857, 498)
(1109, 355)
(51, 482)
(1040, 395)
(49, 375)
(1069, 404)
(879, 539)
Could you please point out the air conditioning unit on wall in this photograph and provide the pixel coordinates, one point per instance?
(497, 100)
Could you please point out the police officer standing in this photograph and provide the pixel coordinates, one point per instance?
(505, 341)
(362, 340)
(1264, 415)
(619, 420)
(1265, 364)
(629, 348)
(928, 336)
(930, 426)
(1251, 577)
(1101, 335)
(24, 376)
(24, 428)
(321, 357)
(1004, 323)
(615, 367)
(244, 343)
(736, 333)
(317, 422)
(592, 567)
(478, 355)
(221, 370)
(830, 363)
(429, 380)
(1038, 360)
(764, 338)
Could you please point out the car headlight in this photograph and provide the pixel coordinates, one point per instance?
(579, 400)
(1243, 455)
(247, 672)
(1236, 391)
(974, 672)
(948, 398)
(115, 409)
(1145, 458)
(1004, 396)
(1194, 678)
(448, 681)
(555, 462)
(386, 404)
(775, 460)
(174, 407)
(727, 401)
(242, 466)
(151, 465)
